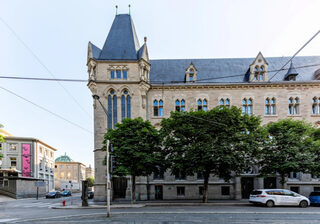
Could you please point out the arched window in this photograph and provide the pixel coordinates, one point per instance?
(247, 106)
(316, 105)
(224, 102)
(158, 108)
(261, 73)
(125, 105)
(270, 106)
(293, 107)
(112, 110)
(180, 105)
(202, 104)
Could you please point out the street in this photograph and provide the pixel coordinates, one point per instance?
(42, 211)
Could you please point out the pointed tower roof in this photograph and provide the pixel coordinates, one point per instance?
(122, 41)
(291, 72)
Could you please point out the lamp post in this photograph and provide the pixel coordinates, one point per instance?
(96, 97)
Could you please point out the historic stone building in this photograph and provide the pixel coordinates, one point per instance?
(131, 85)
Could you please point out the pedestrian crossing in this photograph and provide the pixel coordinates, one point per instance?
(34, 205)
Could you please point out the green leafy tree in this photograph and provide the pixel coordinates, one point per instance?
(135, 148)
(221, 141)
(289, 148)
(90, 181)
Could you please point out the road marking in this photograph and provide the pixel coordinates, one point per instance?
(6, 220)
(164, 212)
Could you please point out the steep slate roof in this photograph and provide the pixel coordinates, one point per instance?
(122, 41)
(231, 70)
(291, 71)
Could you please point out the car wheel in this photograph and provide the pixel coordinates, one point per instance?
(270, 204)
(303, 204)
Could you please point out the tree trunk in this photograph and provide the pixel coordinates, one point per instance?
(133, 189)
(282, 181)
(205, 188)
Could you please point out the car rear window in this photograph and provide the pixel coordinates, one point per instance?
(256, 192)
(316, 193)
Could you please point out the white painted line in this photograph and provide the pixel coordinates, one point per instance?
(6, 220)
(166, 212)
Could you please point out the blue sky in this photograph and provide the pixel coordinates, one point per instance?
(58, 33)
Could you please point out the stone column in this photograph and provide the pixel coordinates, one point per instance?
(237, 188)
(260, 183)
(128, 191)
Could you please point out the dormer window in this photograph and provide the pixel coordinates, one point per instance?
(291, 74)
(259, 69)
(191, 73)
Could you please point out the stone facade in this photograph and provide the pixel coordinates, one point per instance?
(148, 82)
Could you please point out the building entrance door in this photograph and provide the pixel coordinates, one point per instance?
(158, 192)
(119, 187)
(270, 183)
(246, 186)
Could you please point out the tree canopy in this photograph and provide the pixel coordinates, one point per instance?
(90, 181)
(135, 149)
(289, 148)
(221, 141)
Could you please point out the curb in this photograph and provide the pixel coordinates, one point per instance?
(150, 205)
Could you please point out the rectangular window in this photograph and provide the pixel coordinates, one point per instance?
(55, 166)
(180, 191)
(51, 154)
(112, 74)
(13, 162)
(191, 78)
(125, 75)
(225, 190)
(201, 190)
(316, 188)
(249, 110)
(13, 147)
(118, 74)
(295, 189)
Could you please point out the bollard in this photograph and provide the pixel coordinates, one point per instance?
(64, 203)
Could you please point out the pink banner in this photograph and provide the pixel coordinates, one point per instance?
(26, 160)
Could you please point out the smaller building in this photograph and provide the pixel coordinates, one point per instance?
(27, 159)
(68, 173)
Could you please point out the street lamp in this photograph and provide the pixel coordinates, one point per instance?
(96, 97)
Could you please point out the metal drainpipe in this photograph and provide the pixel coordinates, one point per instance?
(147, 118)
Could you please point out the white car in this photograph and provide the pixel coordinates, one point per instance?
(272, 197)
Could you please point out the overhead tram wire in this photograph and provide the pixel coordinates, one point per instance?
(157, 82)
(41, 63)
(45, 109)
(303, 46)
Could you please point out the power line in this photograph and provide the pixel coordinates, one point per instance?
(45, 109)
(171, 82)
(41, 63)
(297, 53)
(43, 79)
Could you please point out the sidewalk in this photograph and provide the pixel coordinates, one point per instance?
(140, 204)
(4, 198)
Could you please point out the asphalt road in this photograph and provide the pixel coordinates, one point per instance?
(33, 211)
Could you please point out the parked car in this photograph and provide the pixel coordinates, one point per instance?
(272, 197)
(53, 194)
(314, 198)
(90, 194)
(66, 193)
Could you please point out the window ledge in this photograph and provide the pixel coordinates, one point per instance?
(271, 115)
(157, 117)
(295, 115)
(315, 115)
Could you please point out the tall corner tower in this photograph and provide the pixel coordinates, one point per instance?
(119, 75)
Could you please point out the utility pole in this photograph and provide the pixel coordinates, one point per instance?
(96, 97)
(108, 180)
